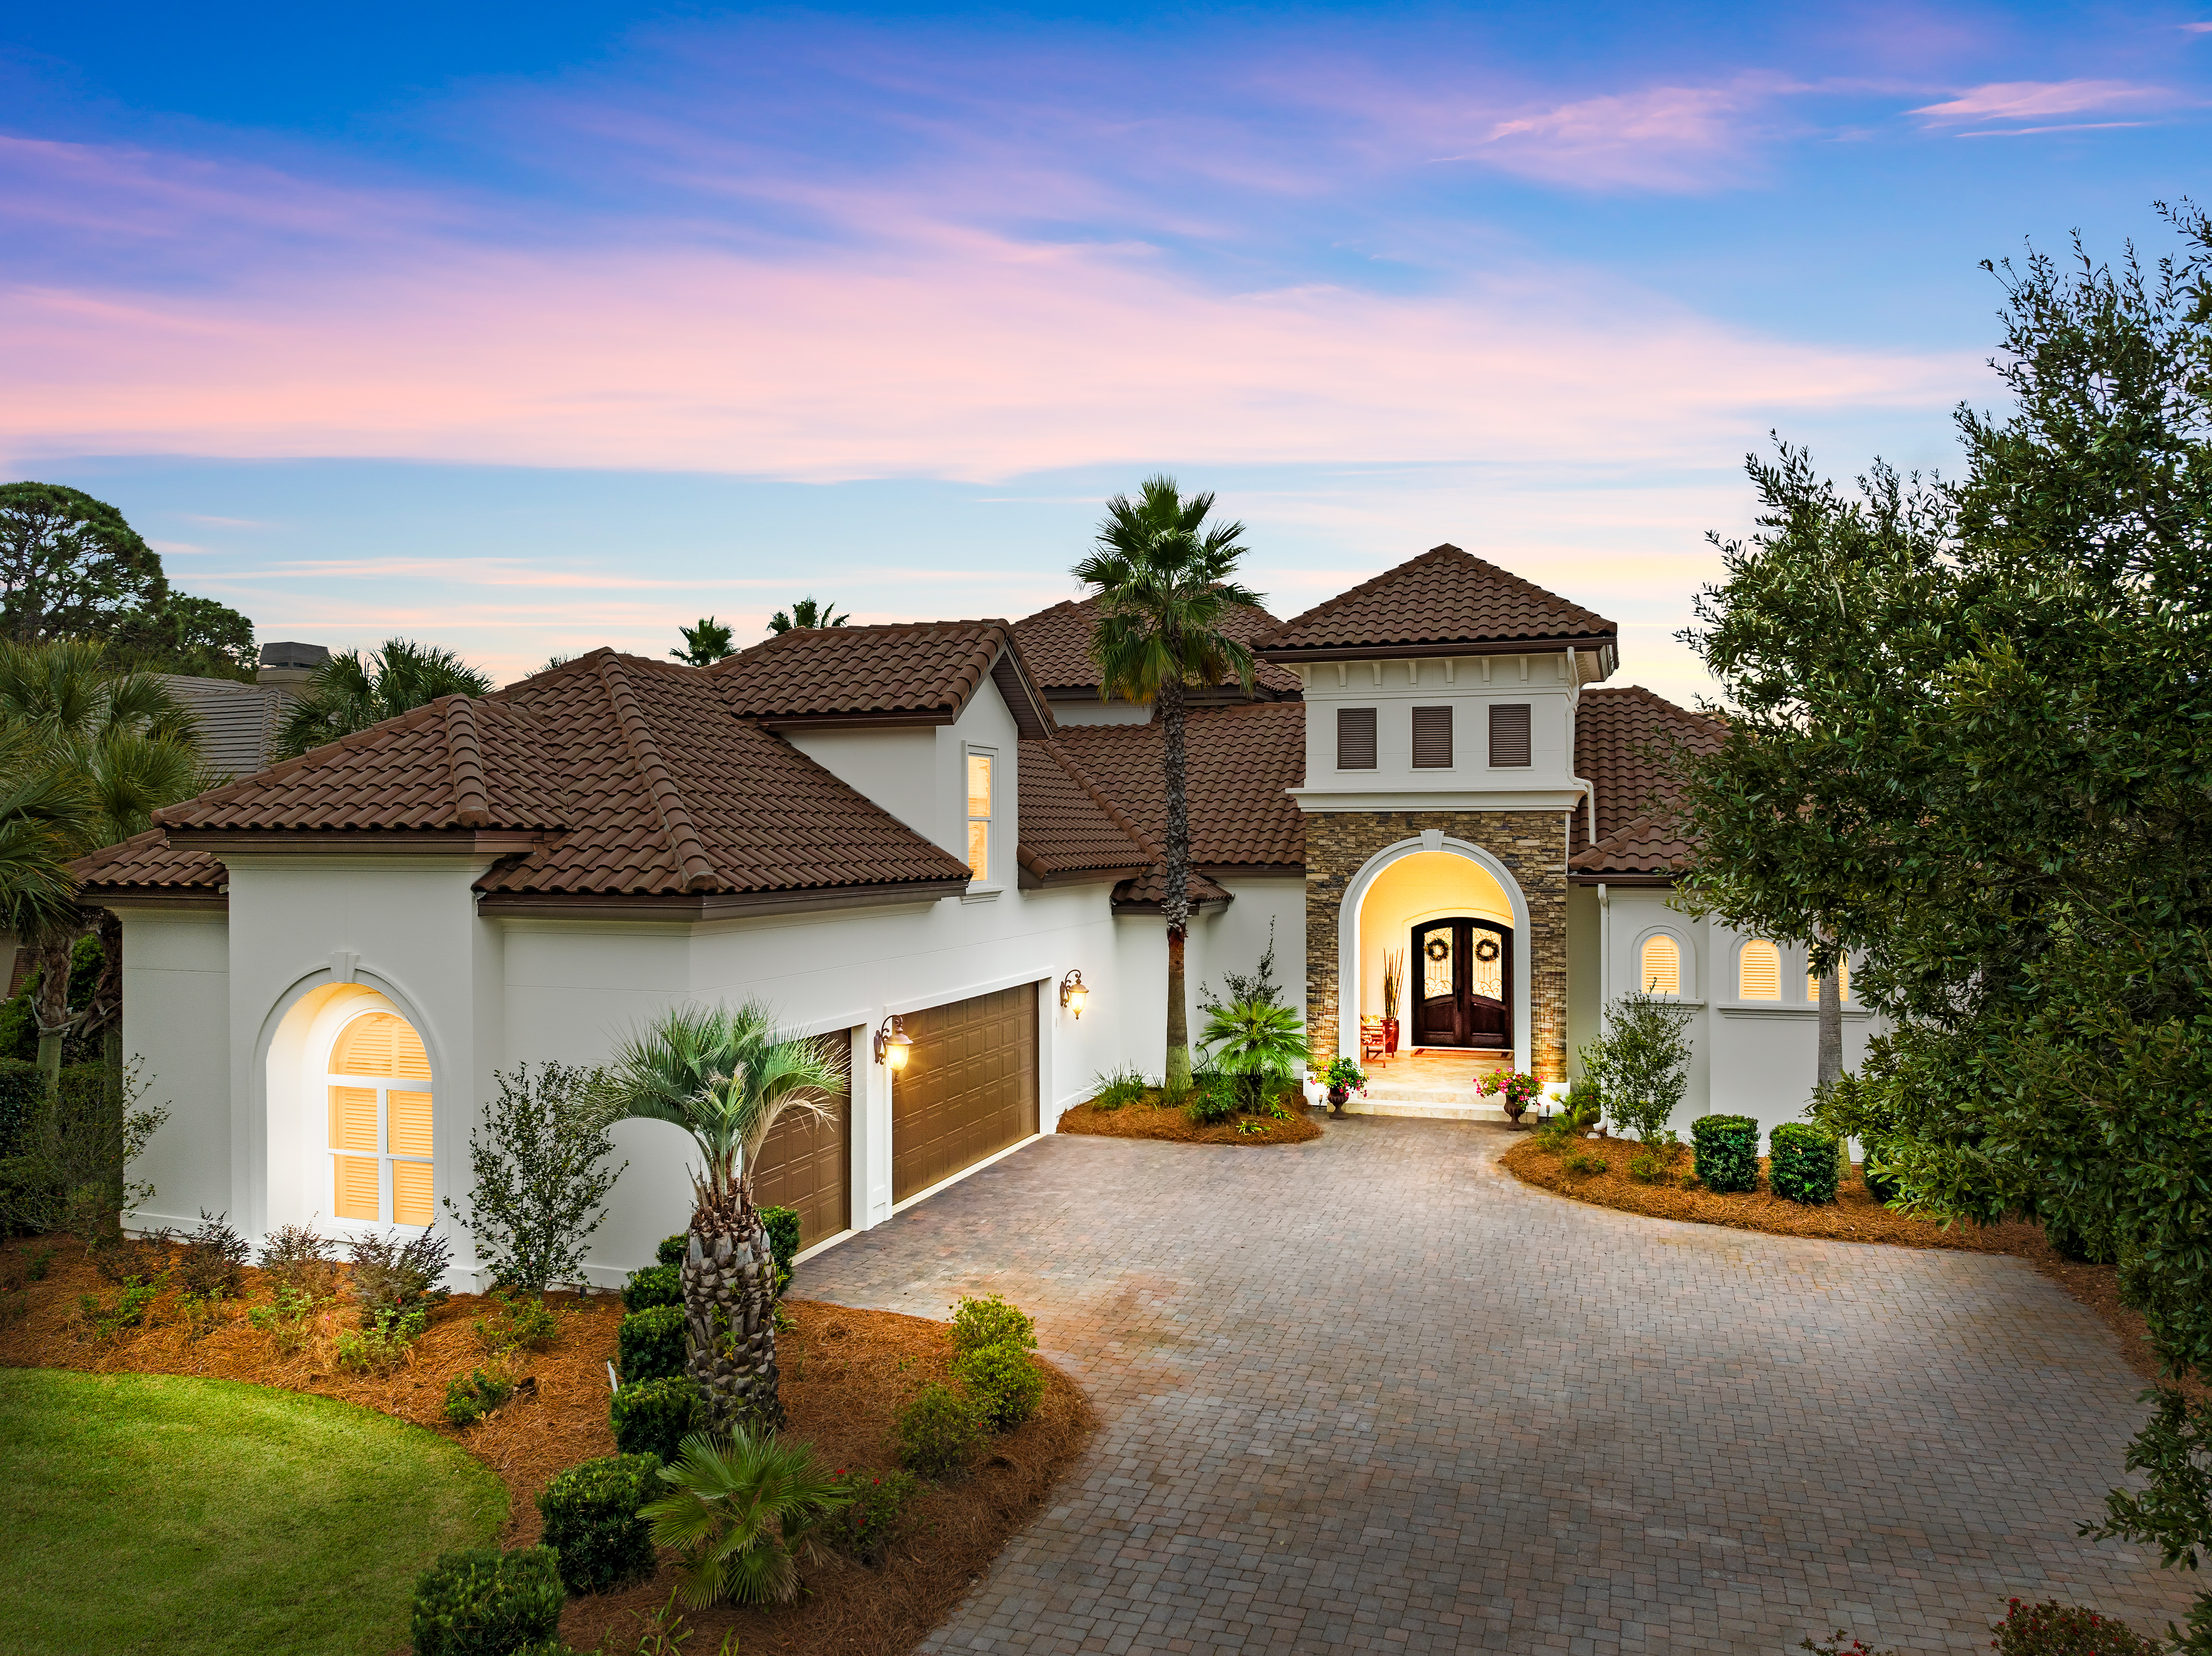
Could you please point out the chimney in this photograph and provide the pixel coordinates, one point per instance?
(289, 666)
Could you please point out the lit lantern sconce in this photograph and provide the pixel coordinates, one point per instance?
(1072, 994)
(893, 1045)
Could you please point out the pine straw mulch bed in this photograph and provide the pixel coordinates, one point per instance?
(1855, 1217)
(845, 1375)
(1148, 1118)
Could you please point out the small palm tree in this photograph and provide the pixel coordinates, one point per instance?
(743, 1508)
(357, 689)
(706, 644)
(1256, 1041)
(723, 1077)
(1162, 578)
(806, 615)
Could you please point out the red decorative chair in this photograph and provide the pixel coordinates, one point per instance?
(1372, 1041)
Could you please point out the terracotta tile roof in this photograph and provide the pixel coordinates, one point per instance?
(149, 861)
(1241, 760)
(455, 763)
(1068, 826)
(1150, 890)
(924, 670)
(1057, 643)
(1630, 742)
(1648, 845)
(635, 772)
(1443, 596)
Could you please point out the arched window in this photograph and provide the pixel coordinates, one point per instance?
(379, 1087)
(1660, 972)
(1758, 972)
(1843, 980)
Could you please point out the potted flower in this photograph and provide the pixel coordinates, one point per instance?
(1518, 1087)
(1340, 1078)
(1393, 983)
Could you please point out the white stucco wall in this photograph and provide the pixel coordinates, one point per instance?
(176, 1030)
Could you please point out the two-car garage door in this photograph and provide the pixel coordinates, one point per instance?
(968, 1089)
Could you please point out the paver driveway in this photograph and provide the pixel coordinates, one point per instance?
(1372, 1391)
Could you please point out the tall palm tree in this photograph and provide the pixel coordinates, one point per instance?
(87, 755)
(356, 689)
(721, 1074)
(1162, 579)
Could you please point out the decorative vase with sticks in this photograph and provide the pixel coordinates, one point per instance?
(1393, 983)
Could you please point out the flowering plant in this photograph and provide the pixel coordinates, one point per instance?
(1343, 1072)
(1519, 1087)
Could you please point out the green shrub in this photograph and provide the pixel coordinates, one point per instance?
(383, 1346)
(1112, 1089)
(541, 1162)
(2051, 1628)
(1585, 1104)
(1585, 1161)
(592, 1522)
(655, 1285)
(22, 1090)
(743, 1508)
(782, 1227)
(653, 1417)
(484, 1602)
(1727, 1151)
(1803, 1163)
(874, 1504)
(301, 1260)
(991, 1321)
(1004, 1380)
(672, 1248)
(938, 1431)
(468, 1401)
(518, 1323)
(1655, 1161)
(650, 1344)
(1213, 1098)
(390, 1275)
(129, 1311)
(2080, 1235)
(213, 1259)
(1879, 1186)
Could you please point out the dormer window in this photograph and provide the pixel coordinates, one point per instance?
(979, 818)
(1355, 738)
(1509, 734)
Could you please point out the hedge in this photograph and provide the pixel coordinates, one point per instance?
(592, 1522)
(22, 1091)
(1803, 1163)
(653, 1417)
(650, 1344)
(484, 1602)
(1727, 1151)
(655, 1285)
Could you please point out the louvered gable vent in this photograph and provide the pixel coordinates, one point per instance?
(1432, 738)
(1355, 738)
(1508, 734)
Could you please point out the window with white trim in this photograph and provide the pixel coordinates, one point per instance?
(1660, 971)
(379, 1087)
(979, 767)
(1758, 972)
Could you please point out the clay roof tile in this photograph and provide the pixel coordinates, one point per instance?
(1444, 597)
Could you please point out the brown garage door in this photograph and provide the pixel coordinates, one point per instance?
(969, 1087)
(807, 1164)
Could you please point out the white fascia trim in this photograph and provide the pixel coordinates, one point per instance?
(898, 1207)
(855, 1019)
(965, 991)
(1317, 800)
(1767, 1009)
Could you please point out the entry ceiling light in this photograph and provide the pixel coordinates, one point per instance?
(893, 1045)
(1072, 994)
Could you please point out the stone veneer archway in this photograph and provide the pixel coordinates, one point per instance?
(1528, 850)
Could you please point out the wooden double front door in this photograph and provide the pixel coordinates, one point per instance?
(1462, 983)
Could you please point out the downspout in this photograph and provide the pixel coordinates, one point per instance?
(1604, 954)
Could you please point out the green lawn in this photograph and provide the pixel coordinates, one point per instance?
(154, 1512)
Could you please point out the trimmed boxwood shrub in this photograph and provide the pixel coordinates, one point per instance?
(672, 1248)
(1005, 1383)
(782, 1227)
(651, 1343)
(655, 1285)
(991, 1320)
(484, 1602)
(592, 1522)
(654, 1416)
(1727, 1151)
(1803, 1163)
(938, 1430)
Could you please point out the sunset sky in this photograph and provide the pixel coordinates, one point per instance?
(527, 329)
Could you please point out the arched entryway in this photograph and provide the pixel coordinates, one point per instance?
(1411, 895)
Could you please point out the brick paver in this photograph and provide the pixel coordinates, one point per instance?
(1373, 1393)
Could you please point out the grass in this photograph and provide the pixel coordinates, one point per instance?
(156, 1513)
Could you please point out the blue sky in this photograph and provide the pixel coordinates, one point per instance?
(527, 329)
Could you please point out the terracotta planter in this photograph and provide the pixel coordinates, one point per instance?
(1390, 1036)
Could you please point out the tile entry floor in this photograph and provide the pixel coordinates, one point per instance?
(1372, 1393)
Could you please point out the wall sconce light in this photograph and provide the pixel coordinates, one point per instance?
(1072, 994)
(893, 1045)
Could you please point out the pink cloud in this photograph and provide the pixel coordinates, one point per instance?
(1664, 137)
(2013, 101)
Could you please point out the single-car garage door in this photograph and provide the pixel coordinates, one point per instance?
(807, 1164)
(970, 1088)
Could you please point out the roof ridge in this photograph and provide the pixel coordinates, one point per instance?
(465, 764)
(675, 820)
(1326, 605)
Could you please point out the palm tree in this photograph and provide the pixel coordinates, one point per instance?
(1256, 1041)
(806, 615)
(706, 644)
(723, 1077)
(742, 1508)
(90, 754)
(1161, 578)
(357, 689)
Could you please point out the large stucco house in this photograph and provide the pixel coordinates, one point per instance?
(938, 824)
